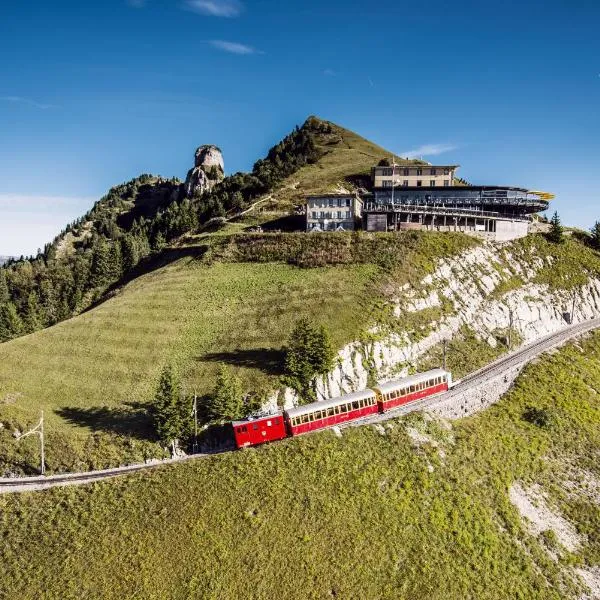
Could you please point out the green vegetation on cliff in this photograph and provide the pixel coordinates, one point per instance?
(362, 516)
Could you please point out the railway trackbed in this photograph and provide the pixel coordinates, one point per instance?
(495, 369)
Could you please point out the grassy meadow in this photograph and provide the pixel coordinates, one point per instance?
(229, 300)
(98, 370)
(365, 516)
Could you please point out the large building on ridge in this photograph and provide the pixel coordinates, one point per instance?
(427, 197)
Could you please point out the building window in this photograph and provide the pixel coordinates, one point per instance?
(315, 214)
(433, 172)
(446, 171)
(348, 215)
(446, 183)
(331, 200)
(419, 171)
(387, 183)
(387, 172)
(339, 201)
(419, 183)
(322, 214)
(347, 201)
(340, 215)
(432, 183)
(405, 183)
(406, 172)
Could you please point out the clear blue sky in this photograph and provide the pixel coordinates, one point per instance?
(94, 93)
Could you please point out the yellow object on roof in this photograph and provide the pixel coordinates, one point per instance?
(543, 195)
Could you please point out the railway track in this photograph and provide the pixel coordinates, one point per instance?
(519, 357)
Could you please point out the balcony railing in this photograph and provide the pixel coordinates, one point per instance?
(442, 211)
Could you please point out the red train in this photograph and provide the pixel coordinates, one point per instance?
(319, 415)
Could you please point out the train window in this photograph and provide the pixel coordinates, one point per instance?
(255, 427)
(412, 389)
(330, 412)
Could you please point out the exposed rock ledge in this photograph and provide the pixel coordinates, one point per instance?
(467, 282)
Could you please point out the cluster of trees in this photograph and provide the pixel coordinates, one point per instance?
(308, 354)
(133, 221)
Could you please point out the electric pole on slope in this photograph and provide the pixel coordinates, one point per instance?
(38, 430)
(445, 344)
(195, 415)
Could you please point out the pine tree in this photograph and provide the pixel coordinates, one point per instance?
(309, 353)
(11, 325)
(169, 411)
(115, 262)
(226, 402)
(595, 235)
(4, 293)
(129, 253)
(33, 318)
(100, 269)
(556, 233)
(159, 242)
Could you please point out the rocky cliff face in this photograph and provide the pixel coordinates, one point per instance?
(487, 289)
(208, 170)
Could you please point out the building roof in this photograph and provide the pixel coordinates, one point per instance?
(325, 404)
(417, 166)
(403, 382)
(348, 195)
(254, 419)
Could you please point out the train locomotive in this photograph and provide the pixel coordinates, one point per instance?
(320, 415)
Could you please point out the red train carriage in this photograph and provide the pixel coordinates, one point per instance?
(318, 415)
(252, 432)
(408, 389)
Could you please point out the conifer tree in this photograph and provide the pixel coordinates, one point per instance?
(309, 353)
(115, 262)
(33, 318)
(4, 293)
(129, 253)
(11, 325)
(159, 242)
(100, 269)
(226, 402)
(556, 233)
(595, 235)
(169, 411)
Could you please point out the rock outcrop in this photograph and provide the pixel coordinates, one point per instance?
(470, 286)
(208, 170)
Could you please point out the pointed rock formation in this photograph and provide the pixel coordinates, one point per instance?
(208, 170)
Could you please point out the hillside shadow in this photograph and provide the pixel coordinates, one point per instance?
(132, 419)
(267, 360)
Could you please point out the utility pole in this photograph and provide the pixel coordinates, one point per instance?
(38, 430)
(445, 343)
(195, 413)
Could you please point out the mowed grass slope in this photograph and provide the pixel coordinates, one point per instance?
(98, 370)
(365, 516)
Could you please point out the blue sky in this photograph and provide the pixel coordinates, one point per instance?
(94, 93)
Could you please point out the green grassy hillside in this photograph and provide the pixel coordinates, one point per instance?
(365, 516)
(345, 163)
(208, 306)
